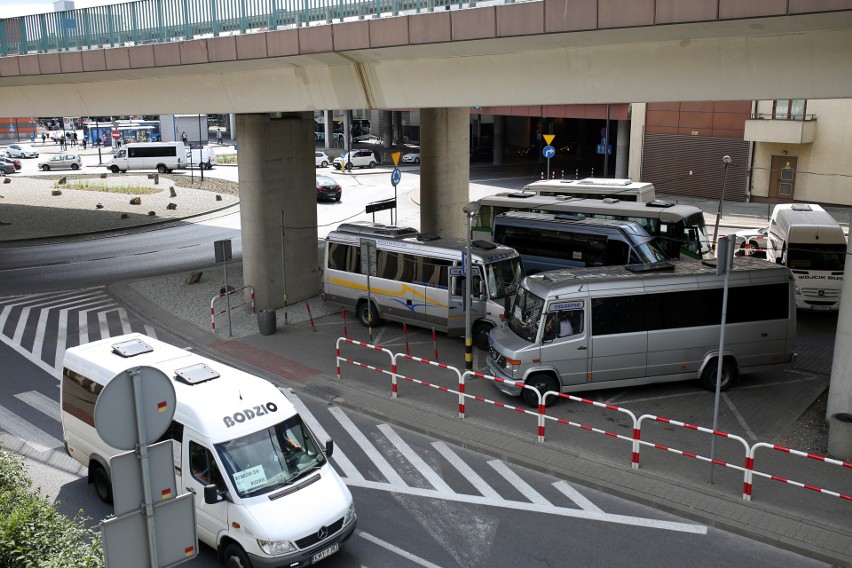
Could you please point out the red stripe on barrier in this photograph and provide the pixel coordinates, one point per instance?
(776, 478)
(635, 457)
(749, 463)
(812, 488)
(718, 462)
(661, 447)
(690, 455)
(747, 488)
(781, 449)
(666, 420)
(690, 426)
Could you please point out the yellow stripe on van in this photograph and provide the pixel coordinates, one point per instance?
(405, 289)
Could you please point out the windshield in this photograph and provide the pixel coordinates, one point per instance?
(526, 314)
(503, 277)
(649, 251)
(268, 459)
(816, 257)
(697, 243)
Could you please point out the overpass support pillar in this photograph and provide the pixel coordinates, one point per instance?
(444, 170)
(276, 177)
(839, 411)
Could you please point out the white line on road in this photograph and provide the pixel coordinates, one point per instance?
(33, 436)
(40, 402)
(739, 417)
(518, 483)
(467, 472)
(576, 496)
(389, 472)
(396, 550)
(431, 476)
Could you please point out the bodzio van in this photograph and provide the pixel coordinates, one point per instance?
(265, 492)
(161, 156)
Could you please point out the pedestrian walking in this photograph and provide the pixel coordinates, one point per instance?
(219, 137)
(74, 139)
(183, 137)
(43, 137)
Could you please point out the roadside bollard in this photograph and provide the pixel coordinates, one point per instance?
(345, 333)
(405, 334)
(435, 343)
(313, 328)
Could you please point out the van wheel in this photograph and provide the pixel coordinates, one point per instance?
(729, 375)
(162, 169)
(362, 313)
(235, 557)
(114, 169)
(480, 334)
(542, 383)
(100, 479)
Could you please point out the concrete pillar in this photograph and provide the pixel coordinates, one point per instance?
(499, 139)
(276, 172)
(397, 127)
(328, 126)
(444, 170)
(232, 121)
(387, 129)
(839, 410)
(622, 149)
(347, 130)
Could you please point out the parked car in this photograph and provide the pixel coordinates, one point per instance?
(13, 161)
(21, 151)
(412, 157)
(751, 242)
(6, 168)
(356, 159)
(322, 159)
(328, 189)
(61, 162)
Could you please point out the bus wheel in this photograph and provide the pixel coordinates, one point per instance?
(708, 376)
(542, 383)
(162, 168)
(480, 334)
(363, 316)
(100, 479)
(235, 557)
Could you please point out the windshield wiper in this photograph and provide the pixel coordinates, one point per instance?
(302, 473)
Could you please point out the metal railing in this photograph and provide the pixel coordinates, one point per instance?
(161, 21)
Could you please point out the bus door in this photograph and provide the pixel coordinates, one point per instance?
(458, 290)
(565, 343)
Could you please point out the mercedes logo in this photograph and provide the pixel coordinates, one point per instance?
(821, 293)
(322, 533)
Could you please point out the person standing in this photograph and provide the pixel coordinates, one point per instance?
(43, 137)
(183, 136)
(219, 137)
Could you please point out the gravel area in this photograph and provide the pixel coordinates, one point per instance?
(26, 202)
(810, 432)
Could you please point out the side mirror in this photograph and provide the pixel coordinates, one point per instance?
(211, 494)
(329, 448)
(507, 307)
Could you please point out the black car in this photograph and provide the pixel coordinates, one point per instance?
(328, 189)
(6, 168)
(14, 161)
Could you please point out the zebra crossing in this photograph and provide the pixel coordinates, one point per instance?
(41, 327)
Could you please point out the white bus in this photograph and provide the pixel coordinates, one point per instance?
(418, 278)
(807, 240)
(595, 188)
(680, 230)
(161, 156)
(632, 327)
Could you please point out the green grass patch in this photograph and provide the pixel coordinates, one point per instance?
(126, 189)
(226, 159)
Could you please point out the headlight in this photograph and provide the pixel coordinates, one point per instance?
(350, 514)
(276, 547)
(798, 290)
(512, 365)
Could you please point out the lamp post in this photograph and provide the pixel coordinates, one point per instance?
(726, 160)
(98, 134)
(471, 210)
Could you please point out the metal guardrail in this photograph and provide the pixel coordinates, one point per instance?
(161, 21)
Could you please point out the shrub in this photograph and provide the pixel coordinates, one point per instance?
(33, 533)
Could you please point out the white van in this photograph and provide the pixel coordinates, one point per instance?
(161, 156)
(807, 240)
(265, 492)
(203, 157)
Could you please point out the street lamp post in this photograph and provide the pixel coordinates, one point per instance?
(726, 160)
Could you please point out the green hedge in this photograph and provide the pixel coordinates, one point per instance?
(33, 533)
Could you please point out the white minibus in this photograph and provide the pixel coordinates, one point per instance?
(265, 493)
(630, 326)
(680, 230)
(418, 278)
(161, 156)
(595, 188)
(807, 240)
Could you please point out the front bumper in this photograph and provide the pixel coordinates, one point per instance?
(507, 388)
(303, 557)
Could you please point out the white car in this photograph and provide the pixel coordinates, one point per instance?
(322, 159)
(21, 151)
(751, 242)
(412, 157)
(356, 159)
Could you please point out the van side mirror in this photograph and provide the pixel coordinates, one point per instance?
(507, 307)
(211, 494)
(329, 448)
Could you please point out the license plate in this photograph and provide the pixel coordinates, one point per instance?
(325, 553)
(821, 308)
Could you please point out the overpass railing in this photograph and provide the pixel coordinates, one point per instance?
(161, 21)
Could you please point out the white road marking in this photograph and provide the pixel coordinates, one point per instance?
(467, 472)
(40, 402)
(576, 496)
(739, 417)
(20, 350)
(396, 550)
(526, 490)
(33, 436)
(384, 467)
(535, 508)
(430, 474)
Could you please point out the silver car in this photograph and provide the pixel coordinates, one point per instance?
(61, 162)
(21, 151)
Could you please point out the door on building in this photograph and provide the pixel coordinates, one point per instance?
(782, 177)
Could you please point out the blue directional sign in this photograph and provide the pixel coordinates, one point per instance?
(548, 151)
(604, 149)
(396, 175)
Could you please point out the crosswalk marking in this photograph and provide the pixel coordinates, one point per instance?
(40, 402)
(384, 467)
(467, 472)
(518, 483)
(576, 496)
(431, 476)
(33, 436)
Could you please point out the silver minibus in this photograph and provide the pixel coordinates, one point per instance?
(629, 326)
(419, 279)
(595, 188)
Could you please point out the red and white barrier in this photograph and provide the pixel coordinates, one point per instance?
(214, 313)
(751, 471)
(539, 418)
(459, 392)
(359, 364)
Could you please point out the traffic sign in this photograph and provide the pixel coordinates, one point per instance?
(396, 175)
(395, 157)
(548, 152)
(116, 134)
(548, 138)
(601, 150)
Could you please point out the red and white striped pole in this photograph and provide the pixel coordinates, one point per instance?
(345, 334)
(435, 343)
(313, 328)
(405, 334)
